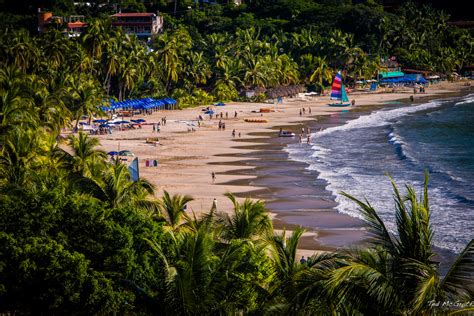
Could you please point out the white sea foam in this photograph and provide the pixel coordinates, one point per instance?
(467, 99)
(379, 118)
(355, 182)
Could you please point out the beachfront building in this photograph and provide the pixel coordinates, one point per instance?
(143, 25)
(76, 26)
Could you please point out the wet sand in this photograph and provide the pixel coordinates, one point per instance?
(254, 164)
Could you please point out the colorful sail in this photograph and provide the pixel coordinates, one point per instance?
(338, 92)
(336, 89)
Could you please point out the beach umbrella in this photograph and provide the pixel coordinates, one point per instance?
(99, 121)
(220, 104)
(82, 123)
(140, 120)
(113, 153)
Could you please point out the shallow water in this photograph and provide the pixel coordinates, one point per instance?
(403, 141)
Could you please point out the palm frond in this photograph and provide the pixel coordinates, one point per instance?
(458, 282)
(381, 235)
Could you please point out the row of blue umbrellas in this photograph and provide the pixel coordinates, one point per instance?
(139, 104)
(404, 80)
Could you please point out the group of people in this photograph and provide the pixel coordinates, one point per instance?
(233, 133)
(219, 116)
(421, 89)
(303, 111)
(308, 135)
(221, 125)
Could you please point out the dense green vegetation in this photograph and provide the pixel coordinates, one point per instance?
(213, 52)
(77, 236)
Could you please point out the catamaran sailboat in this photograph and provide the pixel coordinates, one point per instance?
(338, 92)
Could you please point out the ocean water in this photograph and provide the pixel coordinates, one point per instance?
(403, 141)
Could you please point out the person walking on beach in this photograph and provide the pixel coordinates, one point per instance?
(308, 139)
(239, 134)
(304, 111)
(302, 260)
(214, 205)
(302, 131)
(308, 130)
(154, 127)
(301, 113)
(235, 114)
(221, 115)
(233, 133)
(309, 110)
(301, 138)
(226, 115)
(213, 175)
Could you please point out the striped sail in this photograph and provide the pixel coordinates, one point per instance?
(336, 89)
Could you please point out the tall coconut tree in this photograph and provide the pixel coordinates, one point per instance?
(322, 72)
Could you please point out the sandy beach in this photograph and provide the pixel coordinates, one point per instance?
(187, 155)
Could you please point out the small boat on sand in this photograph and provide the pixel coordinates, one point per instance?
(286, 134)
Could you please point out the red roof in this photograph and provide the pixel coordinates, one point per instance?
(120, 15)
(76, 24)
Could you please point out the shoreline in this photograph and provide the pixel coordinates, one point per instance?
(244, 165)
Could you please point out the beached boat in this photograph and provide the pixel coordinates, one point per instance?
(286, 134)
(255, 120)
(338, 92)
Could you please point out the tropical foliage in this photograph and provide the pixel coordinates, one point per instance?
(77, 236)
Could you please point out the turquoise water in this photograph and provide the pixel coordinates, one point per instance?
(404, 141)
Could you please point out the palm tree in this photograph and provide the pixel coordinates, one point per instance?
(250, 219)
(289, 275)
(322, 73)
(84, 154)
(84, 99)
(174, 208)
(114, 186)
(17, 157)
(398, 274)
(189, 266)
(95, 39)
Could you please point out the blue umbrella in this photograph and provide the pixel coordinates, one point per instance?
(140, 120)
(113, 153)
(220, 104)
(82, 123)
(99, 121)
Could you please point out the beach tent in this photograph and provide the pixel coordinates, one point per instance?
(126, 153)
(220, 104)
